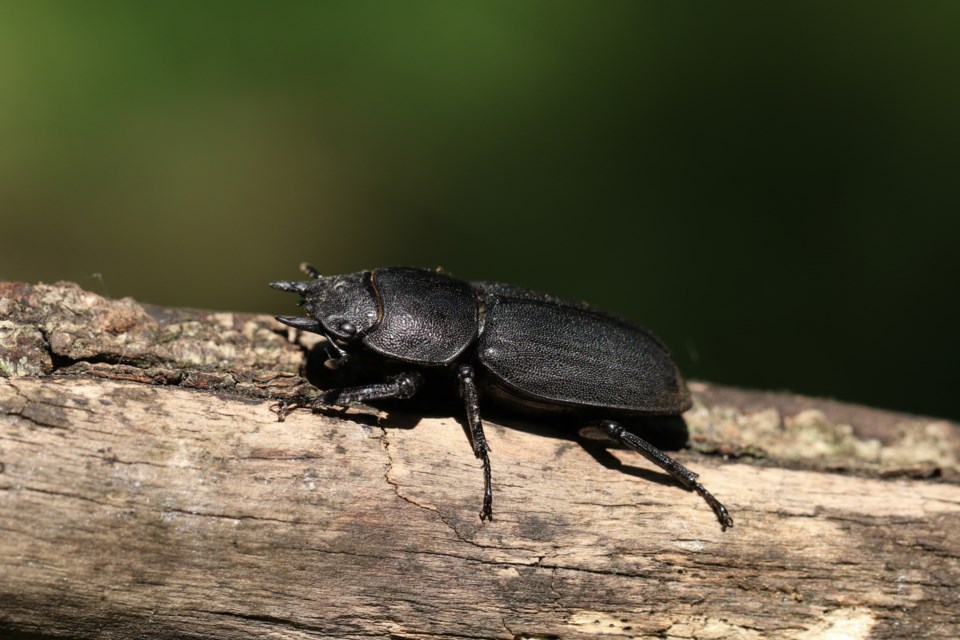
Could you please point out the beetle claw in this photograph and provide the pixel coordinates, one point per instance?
(487, 512)
(284, 407)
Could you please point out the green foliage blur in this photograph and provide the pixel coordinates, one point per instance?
(770, 187)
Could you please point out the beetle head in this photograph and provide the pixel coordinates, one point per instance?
(338, 307)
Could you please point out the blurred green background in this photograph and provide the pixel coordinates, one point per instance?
(772, 188)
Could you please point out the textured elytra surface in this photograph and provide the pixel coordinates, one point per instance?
(136, 503)
(571, 355)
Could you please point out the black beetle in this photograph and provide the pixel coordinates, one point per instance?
(521, 349)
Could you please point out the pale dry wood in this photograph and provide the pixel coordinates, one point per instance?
(131, 508)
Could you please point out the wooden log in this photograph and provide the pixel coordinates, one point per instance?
(146, 490)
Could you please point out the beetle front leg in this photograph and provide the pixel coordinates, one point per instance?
(401, 386)
(468, 389)
(398, 387)
(683, 475)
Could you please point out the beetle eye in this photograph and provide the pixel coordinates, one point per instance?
(347, 327)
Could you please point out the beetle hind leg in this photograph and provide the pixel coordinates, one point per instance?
(680, 473)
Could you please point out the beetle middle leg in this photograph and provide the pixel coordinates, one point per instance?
(468, 389)
(684, 476)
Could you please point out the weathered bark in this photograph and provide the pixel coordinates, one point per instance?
(146, 490)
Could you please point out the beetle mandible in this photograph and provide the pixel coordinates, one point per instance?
(518, 348)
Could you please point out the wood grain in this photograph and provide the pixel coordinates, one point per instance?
(138, 503)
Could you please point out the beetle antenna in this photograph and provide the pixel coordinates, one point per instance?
(341, 357)
(309, 270)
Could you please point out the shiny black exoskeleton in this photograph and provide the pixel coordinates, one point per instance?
(519, 348)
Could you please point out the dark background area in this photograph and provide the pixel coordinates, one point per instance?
(771, 188)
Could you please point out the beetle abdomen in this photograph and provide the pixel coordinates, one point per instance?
(571, 355)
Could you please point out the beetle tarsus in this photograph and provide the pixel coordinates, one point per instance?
(487, 512)
(686, 477)
(285, 407)
(721, 511)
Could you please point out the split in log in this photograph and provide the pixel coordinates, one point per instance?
(146, 490)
